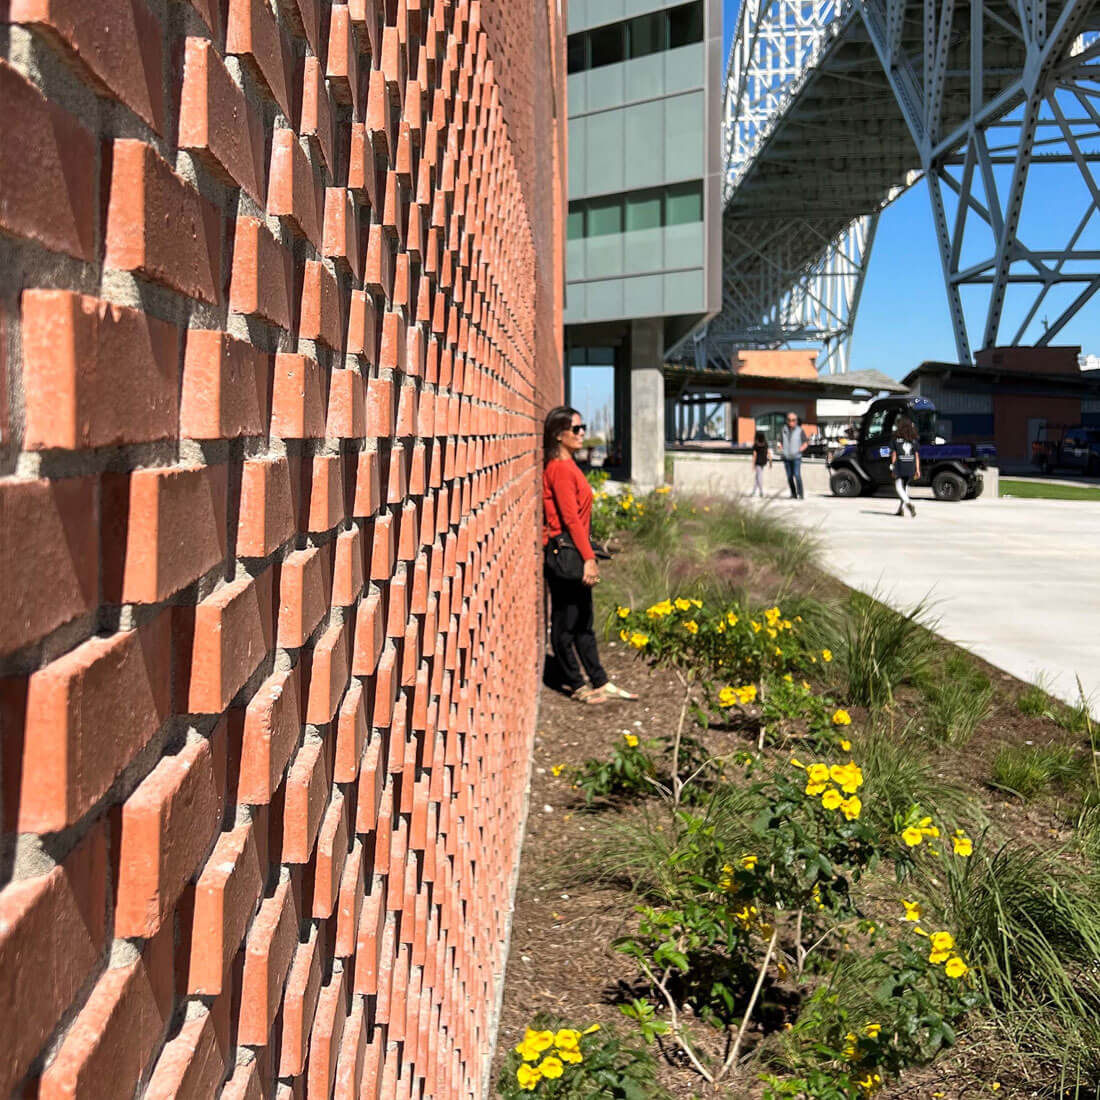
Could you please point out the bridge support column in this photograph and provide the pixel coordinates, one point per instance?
(647, 404)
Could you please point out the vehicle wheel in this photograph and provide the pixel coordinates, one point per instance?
(973, 494)
(948, 486)
(844, 483)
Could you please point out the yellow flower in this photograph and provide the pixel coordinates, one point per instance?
(773, 634)
(818, 773)
(528, 1077)
(938, 957)
(773, 615)
(872, 1030)
(659, 610)
(720, 627)
(841, 718)
(851, 807)
(557, 769)
(927, 828)
(624, 635)
(850, 1045)
(682, 604)
(622, 612)
(591, 1028)
(527, 1052)
(831, 799)
(691, 626)
(540, 1040)
(845, 744)
(639, 641)
(727, 697)
(796, 763)
(788, 678)
(848, 777)
(942, 941)
(662, 489)
(826, 655)
(964, 846)
(756, 627)
(571, 1056)
(747, 693)
(912, 909)
(956, 968)
(696, 603)
(748, 861)
(631, 740)
(815, 788)
(778, 651)
(912, 835)
(550, 1067)
(731, 618)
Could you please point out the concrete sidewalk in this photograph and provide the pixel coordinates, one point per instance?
(1015, 581)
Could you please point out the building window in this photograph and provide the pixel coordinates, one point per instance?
(685, 25)
(607, 45)
(641, 36)
(677, 204)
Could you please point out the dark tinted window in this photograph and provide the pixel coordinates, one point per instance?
(683, 203)
(575, 224)
(685, 24)
(577, 53)
(607, 45)
(647, 34)
(605, 215)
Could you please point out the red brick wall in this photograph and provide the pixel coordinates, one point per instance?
(280, 305)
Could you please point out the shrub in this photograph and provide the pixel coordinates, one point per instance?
(957, 699)
(1026, 771)
(560, 1062)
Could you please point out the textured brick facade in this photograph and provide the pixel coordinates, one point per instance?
(280, 304)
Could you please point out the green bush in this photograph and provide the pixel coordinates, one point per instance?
(1029, 770)
(957, 698)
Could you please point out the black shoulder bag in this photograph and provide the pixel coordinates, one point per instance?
(563, 559)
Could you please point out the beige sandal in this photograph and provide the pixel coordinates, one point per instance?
(585, 694)
(611, 691)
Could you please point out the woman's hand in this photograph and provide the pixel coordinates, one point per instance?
(591, 573)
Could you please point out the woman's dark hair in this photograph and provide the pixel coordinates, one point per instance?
(906, 429)
(761, 439)
(557, 420)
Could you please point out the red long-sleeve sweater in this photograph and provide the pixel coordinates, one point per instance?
(567, 499)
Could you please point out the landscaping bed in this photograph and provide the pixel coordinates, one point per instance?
(625, 902)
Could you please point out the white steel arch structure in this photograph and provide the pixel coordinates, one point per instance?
(833, 107)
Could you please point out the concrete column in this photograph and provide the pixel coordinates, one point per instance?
(647, 404)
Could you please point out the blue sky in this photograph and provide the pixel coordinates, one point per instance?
(903, 317)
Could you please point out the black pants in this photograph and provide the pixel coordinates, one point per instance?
(572, 627)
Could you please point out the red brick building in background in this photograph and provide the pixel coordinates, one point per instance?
(280, 297)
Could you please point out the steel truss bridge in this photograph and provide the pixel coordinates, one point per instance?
(834, 107)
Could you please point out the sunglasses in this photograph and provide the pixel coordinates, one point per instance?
(578, 428)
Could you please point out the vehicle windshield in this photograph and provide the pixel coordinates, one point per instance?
(925, 422)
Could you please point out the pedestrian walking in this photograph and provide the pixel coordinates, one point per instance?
(792, 442)
(904, 462)
(570, 562)
(761, 458)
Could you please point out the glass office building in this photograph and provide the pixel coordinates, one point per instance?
(643, 255)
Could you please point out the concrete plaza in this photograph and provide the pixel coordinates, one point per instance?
(1015, 581)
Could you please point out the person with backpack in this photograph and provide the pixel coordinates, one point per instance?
(761, 458)
(904, 462)
(792, 442)
(569, 560)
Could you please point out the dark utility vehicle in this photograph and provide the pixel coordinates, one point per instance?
(953, 470)
(1073, 448)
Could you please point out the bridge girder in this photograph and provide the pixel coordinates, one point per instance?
(834, 107)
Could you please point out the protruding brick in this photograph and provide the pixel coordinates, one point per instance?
(332, 851)
(160, 226)
(298, 402)
(324, 1043)
(350, 902)
(95, 374)
(226, 895)
(49, 555)
(162, 529)
(347, 405)
(261, 281)
(317, 111)
(341, 229)
(74, 725)
(52, 932)
(167, 825)
(303, 595)
(328, 675)
(321, 306)
(119, 44)
(272, 726)
(293, 190)
(221, 642)
(347, 575)
(370, 635)
(268, 954)
(351, 734)
(307, 788)
(191, 1066)
(253, 34)
(267, 506)
(48, 165)
(225, 387)
(111, 1040)
(326, 493)
(218, 122)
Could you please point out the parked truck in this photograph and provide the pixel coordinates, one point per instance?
(1076, 449)
(954, 470)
